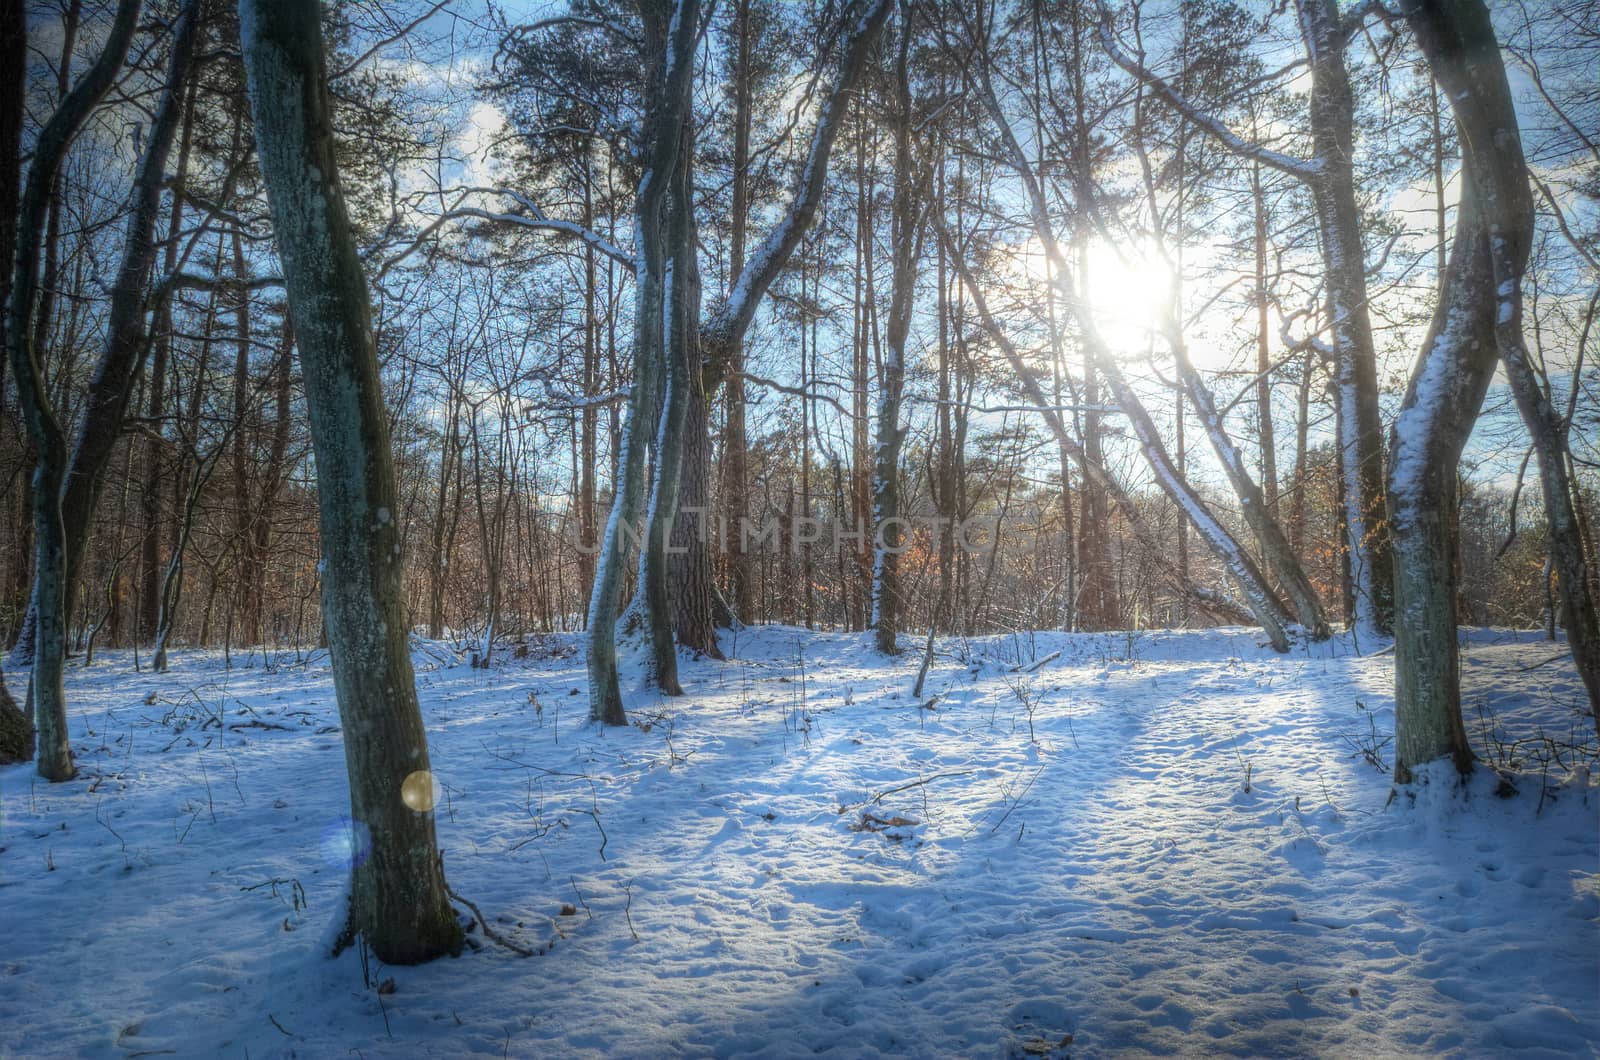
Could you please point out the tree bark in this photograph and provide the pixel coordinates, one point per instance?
(735, 444)
(681, 290)
(16, 728)
(905, 242)
(1332, 111)
(1480, 304)
(397, 895)
(670, 31)
(49, 596)
(1266, 436)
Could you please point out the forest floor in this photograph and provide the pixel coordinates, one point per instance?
(1167, 843)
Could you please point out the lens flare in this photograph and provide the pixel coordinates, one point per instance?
(421, 791)
(346, 843)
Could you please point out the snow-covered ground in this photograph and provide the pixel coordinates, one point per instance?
(1168, 843)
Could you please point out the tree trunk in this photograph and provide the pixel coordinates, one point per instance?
(671, 31)
(1266, 437)
(13, 112)
(1332, 114)
(699, 607)
(1548, 430)
(589, 418)
(16, 729)
(863, 323)
(1275, 550)
(397, 895)
(1481, 302)
(680, 290)
(735, 445)
(249, 586)
(906, 246)
(276, 471)
(49, 596)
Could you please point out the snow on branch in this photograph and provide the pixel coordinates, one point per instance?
(797, 391)
(527, 215)
(732, 318)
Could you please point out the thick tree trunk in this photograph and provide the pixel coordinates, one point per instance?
(1480, 304)
(699, 608)
(397, 895)
(680, 289)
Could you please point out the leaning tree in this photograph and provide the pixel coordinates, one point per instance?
(398, 901)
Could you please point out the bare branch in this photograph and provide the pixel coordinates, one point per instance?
(404, 31)
(1300, 168)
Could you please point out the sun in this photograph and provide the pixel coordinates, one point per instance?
(1127, 287)
(1129, 292)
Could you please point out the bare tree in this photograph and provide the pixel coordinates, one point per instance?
(1479, 312)
(398, 902)
(671, 27)
(911, 177)
(49, 598)
(1330, 176)
(1259, 597)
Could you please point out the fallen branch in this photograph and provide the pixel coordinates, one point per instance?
(1033, 666)
(880, 796)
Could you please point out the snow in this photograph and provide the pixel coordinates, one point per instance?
(1179, 849)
